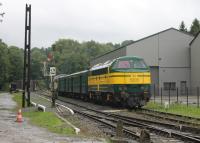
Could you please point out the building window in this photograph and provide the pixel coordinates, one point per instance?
(170, 85)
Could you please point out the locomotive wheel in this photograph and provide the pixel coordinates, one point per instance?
(124, 103)
(131, 103)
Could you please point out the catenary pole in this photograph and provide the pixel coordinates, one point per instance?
(27, 57)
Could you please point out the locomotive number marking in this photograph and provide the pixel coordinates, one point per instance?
(134, 79)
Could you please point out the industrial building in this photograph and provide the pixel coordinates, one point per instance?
(195, 61)
(168, 53)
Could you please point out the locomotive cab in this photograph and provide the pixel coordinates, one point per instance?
(129, 64)
(131, 81)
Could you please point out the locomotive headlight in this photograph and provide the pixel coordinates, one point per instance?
(122, 88)
(142, 87)
(125, 88)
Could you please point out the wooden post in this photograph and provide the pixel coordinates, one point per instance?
(119, 129)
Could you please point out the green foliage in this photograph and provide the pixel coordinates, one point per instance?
(182, 27)
(37, 58)
(4, 65)
(126, 42)
(195, 27)
(17, 97)
(71, 56)
(41, 84)
(15, 56)
(11, 61)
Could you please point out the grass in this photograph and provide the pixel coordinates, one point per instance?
(50, 121)
(175, 108)
(46, 120)
(17, 97)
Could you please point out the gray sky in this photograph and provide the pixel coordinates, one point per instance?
(99, 20)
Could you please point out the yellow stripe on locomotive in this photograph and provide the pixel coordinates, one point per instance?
(120, 78)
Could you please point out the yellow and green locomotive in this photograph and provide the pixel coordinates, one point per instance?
(125, 80)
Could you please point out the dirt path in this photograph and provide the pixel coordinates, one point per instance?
(13, 132)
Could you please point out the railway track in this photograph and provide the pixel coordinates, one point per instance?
(171, 117)
(112, 126)
(129, 129)
(110, 120)
(164, 115)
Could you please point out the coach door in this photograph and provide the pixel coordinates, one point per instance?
(81, 84)
(183, 87)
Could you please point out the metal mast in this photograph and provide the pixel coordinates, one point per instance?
(27, 57)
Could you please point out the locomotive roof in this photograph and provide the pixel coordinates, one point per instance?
(102, 65)
(109, 62)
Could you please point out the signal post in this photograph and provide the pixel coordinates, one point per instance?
(52, 74)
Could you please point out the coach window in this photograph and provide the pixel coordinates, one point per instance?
(104, 71)
(100, 71)
(95, 72)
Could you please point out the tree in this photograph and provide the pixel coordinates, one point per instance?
(71, 56)
(37, 58)
(65, 45)
(4, 65)
(195, 27)
(15, 56)
(126, 42)
(116, 46)
(182, 27)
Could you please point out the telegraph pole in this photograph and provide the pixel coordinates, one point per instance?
(27, 57)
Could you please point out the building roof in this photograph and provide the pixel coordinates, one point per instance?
(195, 38)
(143, 39)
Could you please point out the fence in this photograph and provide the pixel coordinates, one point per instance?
(19, 84)
(187, 95)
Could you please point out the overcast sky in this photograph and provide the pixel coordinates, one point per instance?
(99, 20)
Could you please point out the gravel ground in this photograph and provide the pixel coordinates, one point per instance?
(13, 132)
(122, 111)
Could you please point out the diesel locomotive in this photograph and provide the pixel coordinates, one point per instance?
(124, 81)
